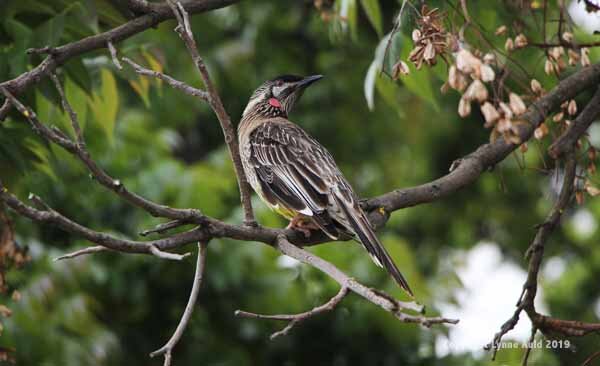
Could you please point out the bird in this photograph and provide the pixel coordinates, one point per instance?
(297, 177)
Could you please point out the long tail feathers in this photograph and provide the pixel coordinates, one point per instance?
(362, 228)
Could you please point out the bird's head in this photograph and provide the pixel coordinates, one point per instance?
(276, 97)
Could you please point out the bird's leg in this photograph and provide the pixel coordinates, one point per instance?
(303, 224)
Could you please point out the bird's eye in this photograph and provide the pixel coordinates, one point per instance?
(279, 83)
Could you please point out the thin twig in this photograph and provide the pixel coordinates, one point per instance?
(84, 251)
(589, 360)
(167, 349)
(378, 298)
(46, 50)
(113, 54)
(294, 319)
(165, 255)
(397, 25)
(188, 89)
(72, 115)
(185, 32)
(6, 107)
(529, 346)
(162, 228)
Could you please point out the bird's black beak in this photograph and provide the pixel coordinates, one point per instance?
(309, 80)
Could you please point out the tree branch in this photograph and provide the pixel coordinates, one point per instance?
(187, 89)
(84, 251)
(379, 298)
(185, 32)
(294, 319)
(487, 155)
(60, 55)
(577, 128)
(535, 254)
(80, 151)
(189, 308)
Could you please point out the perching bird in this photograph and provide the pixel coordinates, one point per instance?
(296, 176)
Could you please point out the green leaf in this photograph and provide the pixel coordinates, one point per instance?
(79, 74)
(107, 13)
(50, 32)
(369, 84)
(373, 11)
(21, 36)
(105, 103)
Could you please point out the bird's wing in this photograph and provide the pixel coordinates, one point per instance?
(298, 172)
(289, 166)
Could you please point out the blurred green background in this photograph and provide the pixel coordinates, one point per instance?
(114, 309)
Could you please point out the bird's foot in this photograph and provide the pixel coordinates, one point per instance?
(302, 224)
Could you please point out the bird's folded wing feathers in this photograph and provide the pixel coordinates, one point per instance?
(293, 169)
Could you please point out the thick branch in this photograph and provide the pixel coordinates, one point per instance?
(62, 54)
(185, 32)
(488, 155)
(53, 217)
(189, 308)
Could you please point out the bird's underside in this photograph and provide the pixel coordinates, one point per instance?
(298, 178)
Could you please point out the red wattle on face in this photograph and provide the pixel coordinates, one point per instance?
(274, 102)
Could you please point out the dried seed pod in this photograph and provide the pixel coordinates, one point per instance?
(429, 53)
(556, 52)
(453, 77)
(560, 63)
(416, 35)
(567, 37)
(516, 104)
(476, 91)
(548, 67)
(585, 57)
(490, 114)
(489, 58)
(558, 117)
(400, 68)
(504, 125)
(572, 108)
(520, 41)
(541, 131)
(501, 30)
(487, 73)
(467, 63)
(464, 107)
(509, 45)
(574, 57)
(591, 189)
(536, 87)
(505, 109)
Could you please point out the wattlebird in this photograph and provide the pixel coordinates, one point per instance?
(296, 176)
